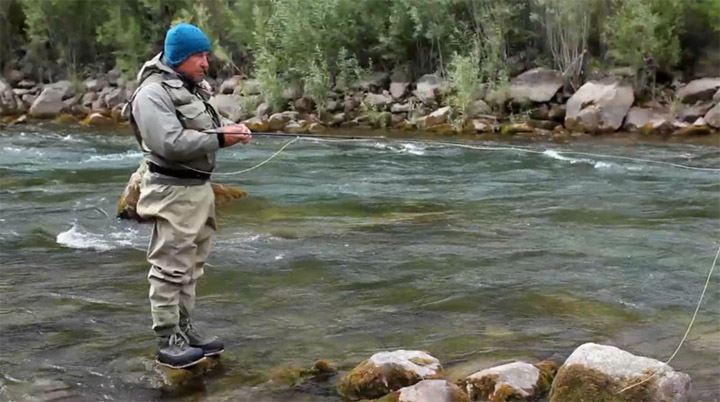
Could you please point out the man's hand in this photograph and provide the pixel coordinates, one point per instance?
(236, 133)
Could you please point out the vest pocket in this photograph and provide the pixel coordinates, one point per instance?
(195, 116)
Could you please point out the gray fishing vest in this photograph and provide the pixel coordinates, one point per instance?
(192, 109)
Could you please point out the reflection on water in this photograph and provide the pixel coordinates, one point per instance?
(345, 249)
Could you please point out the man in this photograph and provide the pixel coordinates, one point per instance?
(170, 113)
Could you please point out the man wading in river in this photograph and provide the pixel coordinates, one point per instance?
(169, 112)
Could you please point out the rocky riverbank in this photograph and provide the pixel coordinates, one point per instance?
(535, 103)
(593, 372)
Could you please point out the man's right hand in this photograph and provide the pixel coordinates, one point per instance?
(236, 133)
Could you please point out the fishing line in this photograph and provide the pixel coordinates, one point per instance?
(692, 321)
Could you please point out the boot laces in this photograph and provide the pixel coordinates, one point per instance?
(178, 339)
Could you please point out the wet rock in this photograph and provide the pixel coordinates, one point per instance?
(228, 86)
(516, 128)
(482, 126)
(228, 106)
(536, 85)
(444, 129)
(65, 118)
(47, 390)
(294, 127)
(20, 120)
(427, 87)
(99, 120)
(699, 90)
(48, 104)
(257, 124)
(599, 106)
(599, 372)
(692, 113)
(294, 376)
(316, 128)
(509, 382)
(648, 121)
(406, 125)
(542, 124)
(428, 391)
(277, 121)
(712, 117)
(385, 372)
(225, 193)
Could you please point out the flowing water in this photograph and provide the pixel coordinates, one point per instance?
(345, 249)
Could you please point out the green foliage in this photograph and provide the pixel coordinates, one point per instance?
(645, 32)
(465, 81)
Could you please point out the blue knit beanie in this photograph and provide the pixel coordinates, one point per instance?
(182, 41)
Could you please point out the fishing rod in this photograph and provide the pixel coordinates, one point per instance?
(332, 136)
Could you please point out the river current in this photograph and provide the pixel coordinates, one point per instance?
(344, 249)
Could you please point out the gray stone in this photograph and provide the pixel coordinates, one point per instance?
(292, 91)
(520, 377)
(248, 87)
(96, 85)
(29, 99)
(4, 86)
(88, 98)
(716, 97)
(599, 106)
(228, 86)
(647, 120)
(691, 113)
(26, 84)
(304, 104)
(398, 90)
(429, 391)
(427, 87)
(350, 104)
(48, 104)
(113, 76)
(65, 88)
(228, 106)
(477, 108)
(115, 97)
(557, 112)
(15, 76)
(23, 91)
(263, 109)
(379, 101)
(599, 372)
(377, 81)
(712, 117)
(439, 116)
(401, 108)
(98, 120)
(699, 90)
(536, 85)
(332, 106)
(277, 121)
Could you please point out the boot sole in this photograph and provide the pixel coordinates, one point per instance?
(214, 353)
(179, 367)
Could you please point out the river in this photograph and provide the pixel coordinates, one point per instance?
(344, 249)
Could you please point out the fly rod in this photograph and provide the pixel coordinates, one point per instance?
(334, 136)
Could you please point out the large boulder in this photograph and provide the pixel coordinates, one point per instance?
(277, 121)
(712, 117)
(512, 381)
(439, 116)
(48, 104)
(536, 85)
(428, 391)
(648, 120)
(65, 87)
(398, 90)
(599, 106)
(699, 90)
(115, 97)
(96, 85)
(601, 373)
(427, 87)
(385, 372)
(228, 106)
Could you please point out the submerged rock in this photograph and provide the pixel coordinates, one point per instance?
(513, 381)
(599, 373)
(428, 391)
(385, 372)
(127, 203)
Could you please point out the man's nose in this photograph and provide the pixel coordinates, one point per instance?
(204, 62)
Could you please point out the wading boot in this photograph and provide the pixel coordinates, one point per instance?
(175, 351)
(210, 345)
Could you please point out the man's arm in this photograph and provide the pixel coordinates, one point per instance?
(161, 130)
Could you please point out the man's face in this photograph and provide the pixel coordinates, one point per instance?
(195, 66)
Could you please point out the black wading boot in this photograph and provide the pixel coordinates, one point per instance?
(175, 351)
(210, 345)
